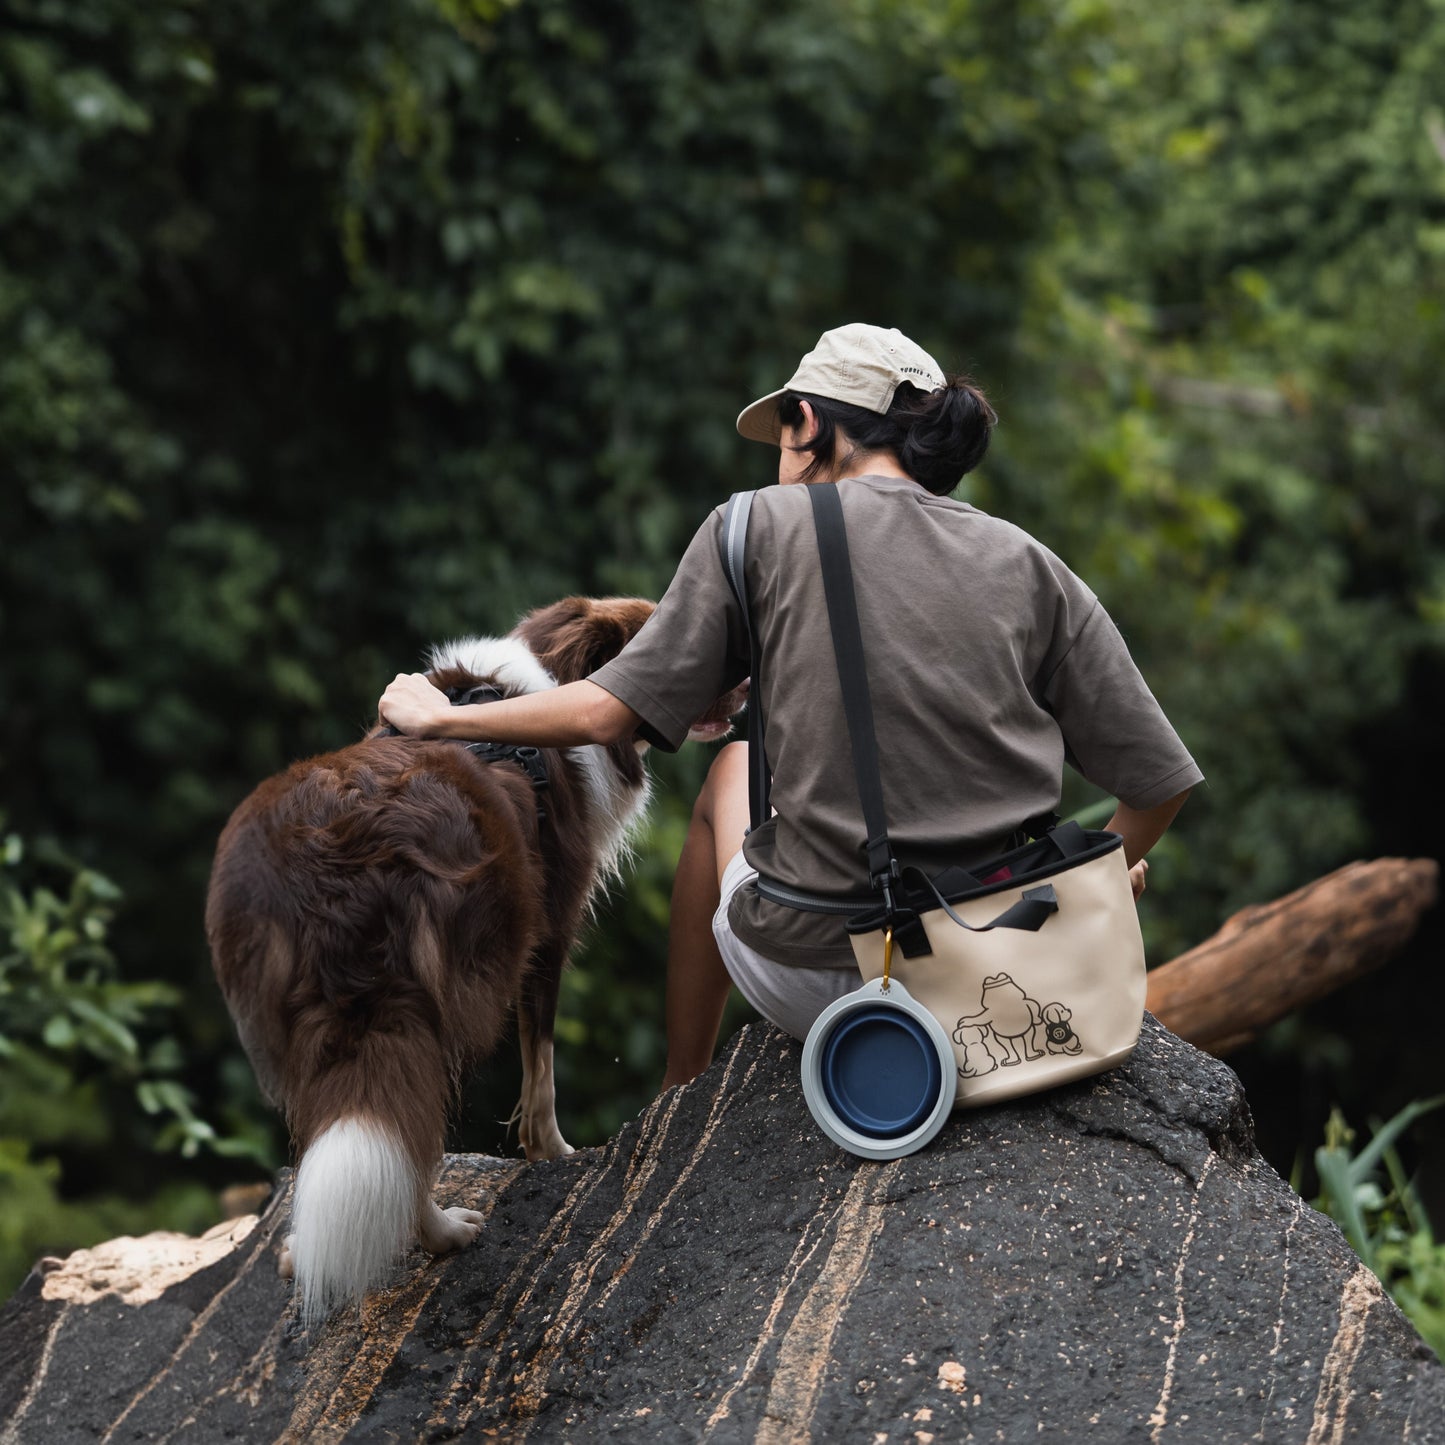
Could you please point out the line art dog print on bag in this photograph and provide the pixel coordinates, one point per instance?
(1022, 1029)
(1058, 1035)
(977, 1060)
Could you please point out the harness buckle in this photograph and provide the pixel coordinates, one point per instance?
(529, 758)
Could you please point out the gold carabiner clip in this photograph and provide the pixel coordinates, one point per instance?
(887, 955)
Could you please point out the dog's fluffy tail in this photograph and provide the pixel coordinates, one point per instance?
(367, 1099)
(355, 1207)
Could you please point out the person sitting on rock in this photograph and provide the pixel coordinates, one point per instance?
(989, 660)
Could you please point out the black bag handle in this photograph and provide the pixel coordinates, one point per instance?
(1028, 913)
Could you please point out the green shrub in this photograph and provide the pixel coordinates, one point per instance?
(1369, 1196)
(90, 1074)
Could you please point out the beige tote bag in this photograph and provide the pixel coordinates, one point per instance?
(1029, 1008)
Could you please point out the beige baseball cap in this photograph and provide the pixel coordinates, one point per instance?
(858, 364)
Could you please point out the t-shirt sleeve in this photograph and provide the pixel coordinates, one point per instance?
(690, 652)
(1115, 733)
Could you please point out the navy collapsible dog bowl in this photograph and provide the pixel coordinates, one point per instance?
(879, 1074)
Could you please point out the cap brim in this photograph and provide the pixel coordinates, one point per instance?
(760, 421)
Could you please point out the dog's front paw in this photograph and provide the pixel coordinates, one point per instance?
(285, 1265)
(444, 1231)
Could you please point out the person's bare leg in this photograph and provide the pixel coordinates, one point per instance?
(697, 982)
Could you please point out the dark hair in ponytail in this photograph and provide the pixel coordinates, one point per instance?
(937, 436)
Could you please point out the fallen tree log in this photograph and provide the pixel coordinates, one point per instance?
(1271, 959)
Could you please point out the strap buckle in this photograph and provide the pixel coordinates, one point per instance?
(883, 881)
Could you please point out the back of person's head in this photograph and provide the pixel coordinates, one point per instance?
(938, 436)
(874, 390)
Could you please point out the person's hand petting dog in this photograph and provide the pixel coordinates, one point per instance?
(412, 705)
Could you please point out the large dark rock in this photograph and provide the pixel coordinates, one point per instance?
(1111, 1262)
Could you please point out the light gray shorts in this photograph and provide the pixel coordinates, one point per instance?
(789, 997)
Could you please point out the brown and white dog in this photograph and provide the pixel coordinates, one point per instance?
(376, 914)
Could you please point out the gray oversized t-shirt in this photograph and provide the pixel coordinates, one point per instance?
(990, 665)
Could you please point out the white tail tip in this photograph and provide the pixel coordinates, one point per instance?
(353, 1213)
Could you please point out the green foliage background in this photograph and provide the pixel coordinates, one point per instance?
(330, 330)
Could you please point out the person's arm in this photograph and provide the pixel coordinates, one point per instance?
(1115, 733)
(1141, 829)
(560, 717)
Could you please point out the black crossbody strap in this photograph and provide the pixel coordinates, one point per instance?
(853, 678)
(732, 543)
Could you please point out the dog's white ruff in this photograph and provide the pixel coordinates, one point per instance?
(352, 1216)
(616, 806)
(507, 659)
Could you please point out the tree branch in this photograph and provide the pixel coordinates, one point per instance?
(1269, 960)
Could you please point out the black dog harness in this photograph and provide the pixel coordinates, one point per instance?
(529, 759)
